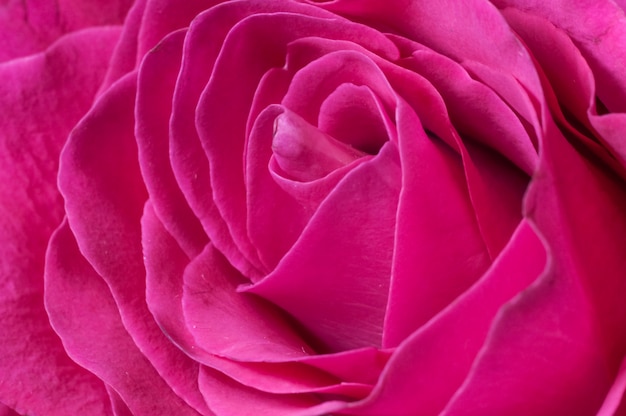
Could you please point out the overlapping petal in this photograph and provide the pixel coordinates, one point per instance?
(35, 118)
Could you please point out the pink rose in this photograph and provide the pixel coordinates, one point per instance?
(313, 207)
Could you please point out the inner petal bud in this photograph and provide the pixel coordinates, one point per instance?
(304, 153)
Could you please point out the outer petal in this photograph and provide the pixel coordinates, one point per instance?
(105, 195)
(41, 98)
(562, 341)
(31, 26)
(98, 340)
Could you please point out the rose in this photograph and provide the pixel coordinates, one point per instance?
(359, 248)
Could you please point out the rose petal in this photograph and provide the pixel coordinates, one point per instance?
(560, 342)
(224, 158)
(362, 365)
(263, 32)
(190, 165)
(278, 206)
(162, 17)
(615, 403)
(7, 411)
(157, 78)
(73, 287)
(315, 82)
(29, 27)
(104, 198)
(334, 278)
(431, 363)
(305, 153)
(41, 98)
(599, 31)
(475, 110)
(231, 324)
(468, 32)
(275, 218)
(219, 392)
(125, 59)
(165, 264)
(434, 211)
(576, 93)
(352, 114)
(119, 407)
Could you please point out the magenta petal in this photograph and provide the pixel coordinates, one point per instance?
(7, 411)
(232, 324)
(272, 198)
(125, 59)
(305, 153)
(227, 397)
(436, 222)
(117, 403)
(29, 27)
(476, 111)
(362, 365)
(104, 195)
(268, 205)
(224, 106)
(576, 93)
(37, 376)
(156, 81)
(599, 30)
(615, 401)
(314, 83)
(431, 364)
(560, 342)
(165, 264)
(162, 17)
(73, 287)
(334, 279)
(468, 31)
(353, 115)
(189, 162)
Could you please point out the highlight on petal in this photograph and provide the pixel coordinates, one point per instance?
(615, 401)
(305, 153)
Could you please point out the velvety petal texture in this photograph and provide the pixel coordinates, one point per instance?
(41, 98)
(313, 207)
(29, 27)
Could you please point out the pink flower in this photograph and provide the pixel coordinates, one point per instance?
(313, 207)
